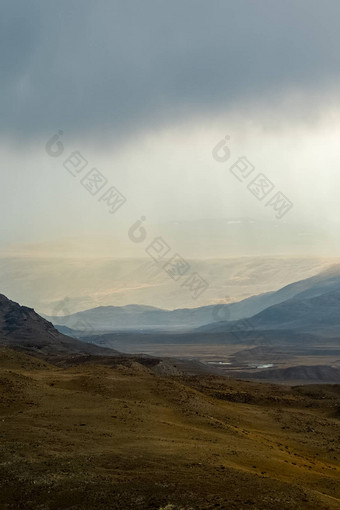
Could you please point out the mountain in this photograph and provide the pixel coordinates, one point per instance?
(317, 315)
(138, 317)
(135, 317)
(22, 328)
(325, 282)
(311, 306)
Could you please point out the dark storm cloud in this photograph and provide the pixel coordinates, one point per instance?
(89, 66)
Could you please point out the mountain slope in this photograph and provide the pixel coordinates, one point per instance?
(116, 436)
(311, 306)
(311, 373)
(317, 315)
(22, 328)
(307, 314)
(325, 282)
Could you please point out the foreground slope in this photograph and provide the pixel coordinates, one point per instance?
(118, 436)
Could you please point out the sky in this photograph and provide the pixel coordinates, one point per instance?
(144, 92)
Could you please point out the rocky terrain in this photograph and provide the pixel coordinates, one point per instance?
(22, 328)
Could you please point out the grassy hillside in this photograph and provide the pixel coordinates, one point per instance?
(120, 436)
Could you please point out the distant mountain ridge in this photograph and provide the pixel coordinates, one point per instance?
(272, 310)
(313, 307)
(110, 318)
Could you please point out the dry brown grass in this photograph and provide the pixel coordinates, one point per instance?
(94, 436)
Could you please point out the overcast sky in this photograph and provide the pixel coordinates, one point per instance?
(145, 91)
